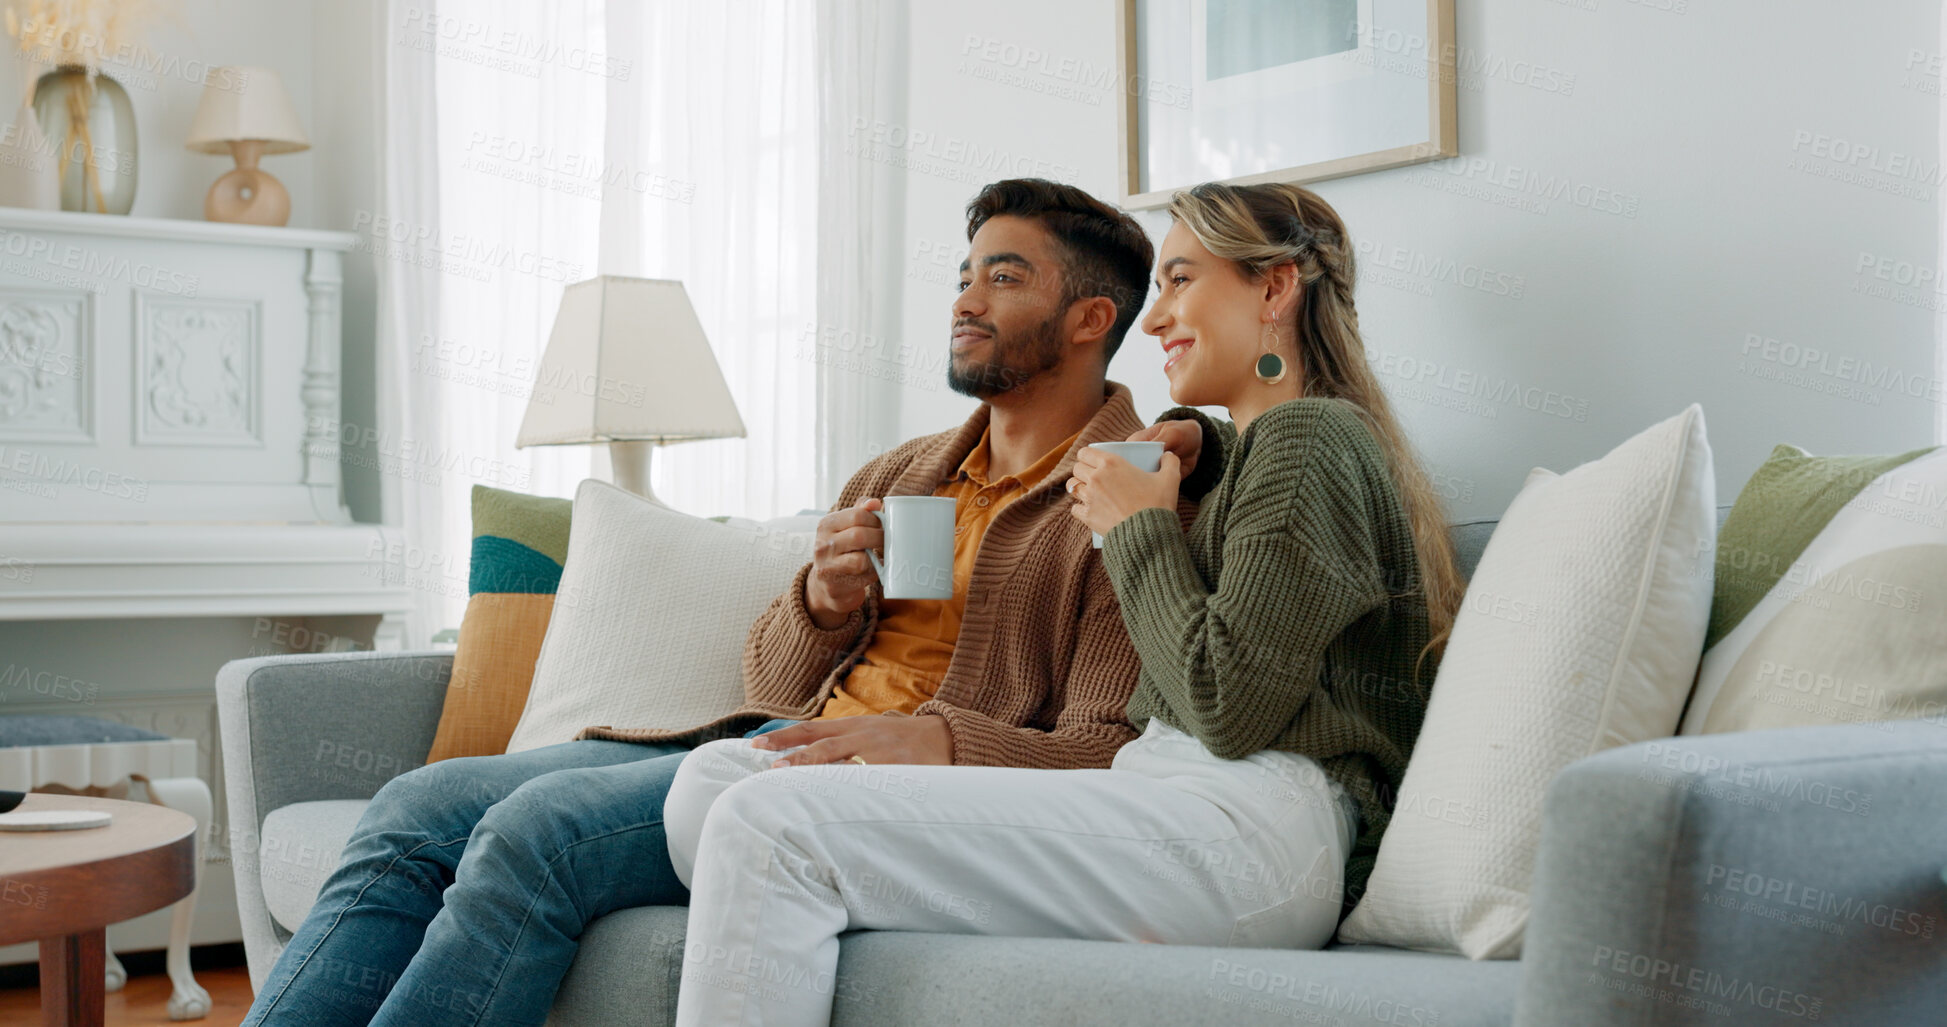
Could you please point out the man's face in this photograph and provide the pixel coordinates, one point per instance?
(1009, 321)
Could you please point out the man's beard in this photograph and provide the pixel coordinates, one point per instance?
(1015, 360)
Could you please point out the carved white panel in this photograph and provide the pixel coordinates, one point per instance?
(198, 376)
(46, 377)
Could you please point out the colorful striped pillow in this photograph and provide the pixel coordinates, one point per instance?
(519, 545)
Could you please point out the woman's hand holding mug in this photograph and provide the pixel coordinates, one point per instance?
(1184, 438)
(1108, 487)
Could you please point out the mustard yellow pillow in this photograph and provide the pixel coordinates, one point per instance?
(519, 545)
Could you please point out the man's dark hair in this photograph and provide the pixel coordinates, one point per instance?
(1104, 252)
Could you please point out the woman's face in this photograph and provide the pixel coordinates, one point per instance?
(1209, 318)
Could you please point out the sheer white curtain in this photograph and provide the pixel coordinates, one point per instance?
(861, 46)
(543, 143)
(518, 223)
(408, 301)
(725, 120)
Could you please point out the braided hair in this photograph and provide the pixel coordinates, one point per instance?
(1260, 227)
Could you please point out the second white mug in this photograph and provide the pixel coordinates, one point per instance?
(1146, 456)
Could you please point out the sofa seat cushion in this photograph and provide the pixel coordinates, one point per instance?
(301, 844)
(630, 964)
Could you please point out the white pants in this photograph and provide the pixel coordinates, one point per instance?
(1171, 845)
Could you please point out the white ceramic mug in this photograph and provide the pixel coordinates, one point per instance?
(919, 547)
(1146, 456)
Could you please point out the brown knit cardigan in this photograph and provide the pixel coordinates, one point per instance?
(1043, 669)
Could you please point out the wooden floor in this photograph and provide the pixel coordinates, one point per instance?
(145, 999)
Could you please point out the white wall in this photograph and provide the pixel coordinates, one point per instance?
(164, 85)
(1706, 122)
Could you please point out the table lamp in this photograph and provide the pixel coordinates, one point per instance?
(627, 364)
(246, 114)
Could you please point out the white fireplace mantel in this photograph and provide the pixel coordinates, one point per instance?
(170, 424)
(168, 371)
(63, 572)
(169, 448)
(170, 230)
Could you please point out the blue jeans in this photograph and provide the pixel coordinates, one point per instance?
(463, 892)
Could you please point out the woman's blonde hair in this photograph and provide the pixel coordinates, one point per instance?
(1259, 227)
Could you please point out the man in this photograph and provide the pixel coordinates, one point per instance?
(462, 893)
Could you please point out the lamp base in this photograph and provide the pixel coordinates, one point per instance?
(247, 194)
(629, 467)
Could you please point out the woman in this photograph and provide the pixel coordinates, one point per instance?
(1287, 642)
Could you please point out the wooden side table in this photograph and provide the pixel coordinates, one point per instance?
(167, 769)
(63, 889)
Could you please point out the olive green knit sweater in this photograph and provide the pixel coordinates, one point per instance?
(1289, 616)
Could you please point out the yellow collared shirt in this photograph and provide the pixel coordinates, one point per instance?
(909, 652)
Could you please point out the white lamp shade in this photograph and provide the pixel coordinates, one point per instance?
(242, 102)
(627, 360)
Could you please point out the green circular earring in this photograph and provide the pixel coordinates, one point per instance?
(1270, 366)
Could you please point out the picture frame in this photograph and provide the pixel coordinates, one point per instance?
(1250, 91)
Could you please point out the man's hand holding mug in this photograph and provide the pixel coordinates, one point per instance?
(841, 572)
(917, 534)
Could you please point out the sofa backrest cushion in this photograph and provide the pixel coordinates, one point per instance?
(1469, 539)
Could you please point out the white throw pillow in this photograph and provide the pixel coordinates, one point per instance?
(1581, 630)
(650, 620)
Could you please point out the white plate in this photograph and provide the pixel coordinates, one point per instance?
(53, 820)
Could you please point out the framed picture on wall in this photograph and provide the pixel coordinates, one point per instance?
(1246, 91)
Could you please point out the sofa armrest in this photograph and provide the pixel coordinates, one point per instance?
(1757, 877)
(314, 726)
(328, 725)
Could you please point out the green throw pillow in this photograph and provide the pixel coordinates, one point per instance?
(1826, 609)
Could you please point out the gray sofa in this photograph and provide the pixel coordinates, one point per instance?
(1641, 910)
